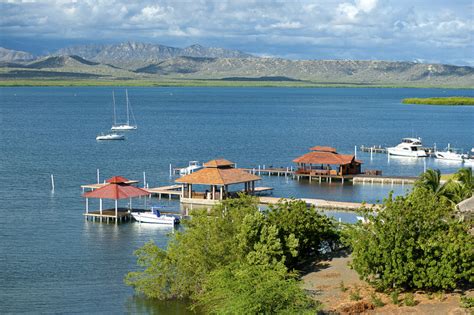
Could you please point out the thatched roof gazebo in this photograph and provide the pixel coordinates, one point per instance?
(218, 174)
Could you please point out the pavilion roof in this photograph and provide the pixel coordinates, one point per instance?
(117, 179)
(218, 176)
(219, 163)
(116, 191)
(320, 157)
(323, 149)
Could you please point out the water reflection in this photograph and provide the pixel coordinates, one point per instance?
(140, 305)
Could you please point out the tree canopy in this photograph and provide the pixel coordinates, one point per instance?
(416, 241)
(236, 258)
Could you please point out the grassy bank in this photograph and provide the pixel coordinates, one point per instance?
(198, 83)
(453, 101)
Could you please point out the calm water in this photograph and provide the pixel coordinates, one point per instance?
(51, 260)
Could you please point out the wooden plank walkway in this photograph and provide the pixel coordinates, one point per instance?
(108, 215)
(384, 179)
(319, 203)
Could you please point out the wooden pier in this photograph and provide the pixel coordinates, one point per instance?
(319, 203)
(170, 191)
(373, 149)
(400, 180)
(108, 215)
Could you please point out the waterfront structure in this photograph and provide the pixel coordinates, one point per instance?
(218, 175)
(325, 163)
(116, 188)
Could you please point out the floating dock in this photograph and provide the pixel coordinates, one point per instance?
(170, 191)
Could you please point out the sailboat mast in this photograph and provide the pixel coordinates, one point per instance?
(128, 115)
(115, 114)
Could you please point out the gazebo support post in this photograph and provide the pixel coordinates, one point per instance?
(220, 195)
(116, 210)
(130, 205)
(87, 205)
(213, 188)
(100, 207)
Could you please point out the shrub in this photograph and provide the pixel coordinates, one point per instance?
(409, 299)
(376, 300)
(414, 242)
(234, 259)
(394, 297)
(355, 294)
(342, 286)
(467, 302)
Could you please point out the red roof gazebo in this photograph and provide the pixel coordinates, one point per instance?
(117, 188)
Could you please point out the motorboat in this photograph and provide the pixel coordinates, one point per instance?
(110, 136)
(192, 167)
(409, 147)
(450, 154)
(155, 216)
(124, 126)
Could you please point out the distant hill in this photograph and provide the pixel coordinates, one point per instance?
(127, 54)
(9, 55)
(321, 71)
(153, 62)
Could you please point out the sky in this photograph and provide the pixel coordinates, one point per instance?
(438, 31)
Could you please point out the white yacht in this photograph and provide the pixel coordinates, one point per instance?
(124, 126)
(193, 166)
(410, 147)
(110, 136)
(450, 154)
(154, 216)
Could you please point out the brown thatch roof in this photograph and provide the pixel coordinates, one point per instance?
(218, 176)
(317, 157)
(323, 149)
(219, 163)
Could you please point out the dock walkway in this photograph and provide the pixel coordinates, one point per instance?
(319, 203)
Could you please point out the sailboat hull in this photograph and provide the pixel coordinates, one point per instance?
(123, 127)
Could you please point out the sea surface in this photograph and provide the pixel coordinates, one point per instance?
(53, 261)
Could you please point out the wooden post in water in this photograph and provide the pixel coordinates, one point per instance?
(144, 180)
(52, 182)
(355, 151)
(171, 171)
(98, 176)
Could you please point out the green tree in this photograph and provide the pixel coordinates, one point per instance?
(414, 242)
(233, 255)
(313, 230)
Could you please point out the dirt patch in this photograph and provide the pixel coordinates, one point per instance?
(341, 291)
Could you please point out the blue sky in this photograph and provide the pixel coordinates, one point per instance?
(425, 30)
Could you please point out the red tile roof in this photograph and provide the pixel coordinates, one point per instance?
(218, 176)
(219, 163)
(116, 191)
(323, 149)
(319, 157)
(117, 179)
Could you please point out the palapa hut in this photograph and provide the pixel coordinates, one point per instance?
(116, 188)
(218, 175)
(327, 163)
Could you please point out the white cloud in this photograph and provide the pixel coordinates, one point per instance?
(384, 29)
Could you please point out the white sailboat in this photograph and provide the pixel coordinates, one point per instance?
(127, 125)
(110, 136)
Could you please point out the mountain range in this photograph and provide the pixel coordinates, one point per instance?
(152, 62)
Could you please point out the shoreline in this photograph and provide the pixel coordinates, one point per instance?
(213, 83)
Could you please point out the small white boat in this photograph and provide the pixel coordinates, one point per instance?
(409, 147)
(154, 216)
(110, 136)
(450, 154)
(193, 166)
(124, 126)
